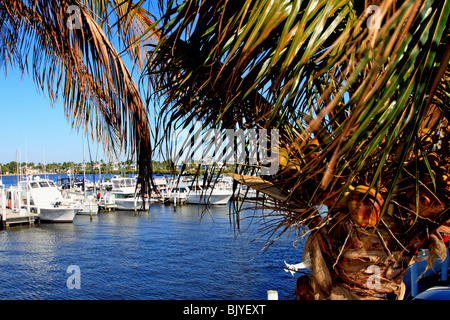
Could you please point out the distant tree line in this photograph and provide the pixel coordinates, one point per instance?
(66, 167)
(159, 167)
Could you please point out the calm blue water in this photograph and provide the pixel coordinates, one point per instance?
(162, 254)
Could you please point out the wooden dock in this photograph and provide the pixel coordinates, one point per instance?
(15, 218)
(106, 207)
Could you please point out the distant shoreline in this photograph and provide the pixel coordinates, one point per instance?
(34, 174)
(53, 173)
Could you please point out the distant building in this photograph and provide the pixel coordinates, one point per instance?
(30, 171)
(115, 165)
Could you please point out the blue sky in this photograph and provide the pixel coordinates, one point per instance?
(32, 126)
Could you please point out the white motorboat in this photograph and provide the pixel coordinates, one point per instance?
(89, 206)
(43, 196)
(87, 202)
(213, 196)
(161, 194)
(218, 194)
(176, 194)
(105, 185)
(126, 196)
(250, 193)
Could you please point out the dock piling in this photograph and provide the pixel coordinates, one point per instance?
(28, 201)
(13, 202)
(3, 201)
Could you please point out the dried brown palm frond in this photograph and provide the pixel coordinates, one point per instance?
(63, 45)
(129, 23)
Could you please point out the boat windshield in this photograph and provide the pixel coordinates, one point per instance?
(43, 184)
(124, 195)
(52, 184)
(34, 185)
(129, 182)
(121, 183)
(116, 184)
(181, 189)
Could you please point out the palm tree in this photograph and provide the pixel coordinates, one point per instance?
(66, 46)
(360, 96)
(358, 93)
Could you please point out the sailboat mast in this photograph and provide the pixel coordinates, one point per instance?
(84, 174)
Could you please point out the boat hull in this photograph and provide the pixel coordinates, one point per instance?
(57, 214)
(206, 198)
(88, 210)
(130, 205)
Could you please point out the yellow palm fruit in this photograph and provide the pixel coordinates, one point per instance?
(425, 136)
(332, 198)
(294, 165)
(424, 132)
(283, 157)
(365, 206)
(313, 143)
(433, 159)
(429, 205)
(444, 179)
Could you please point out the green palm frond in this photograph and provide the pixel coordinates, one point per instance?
(312, 69)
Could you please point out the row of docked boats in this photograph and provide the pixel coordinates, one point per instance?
(125, 195)
(44, 197)
(61, 202)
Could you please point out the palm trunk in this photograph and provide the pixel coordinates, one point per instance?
(350, 262)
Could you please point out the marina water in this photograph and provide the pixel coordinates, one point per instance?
(167, 253)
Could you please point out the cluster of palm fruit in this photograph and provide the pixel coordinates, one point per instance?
(364, 203)
(433, 178)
